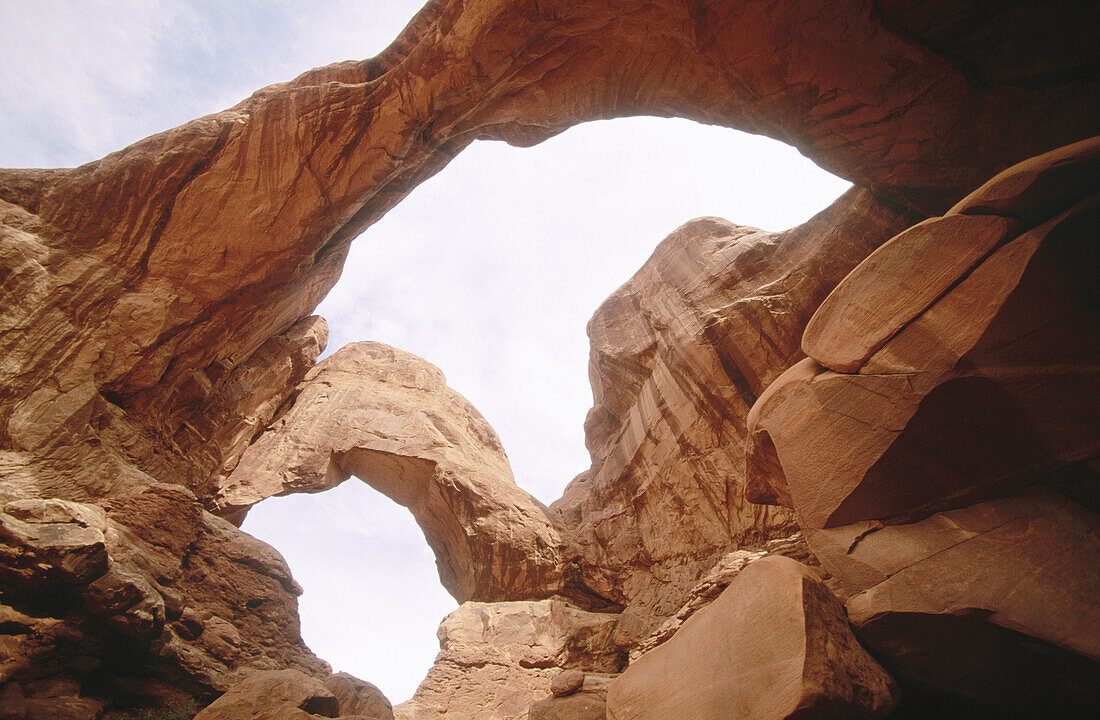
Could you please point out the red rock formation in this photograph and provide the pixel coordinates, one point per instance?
(957, 378)
(389, 418)
(150, 274)
(291, 695)
(679, 354)
(497, 659)
(976, 370)
(154, 312)
(86, 590)
(775, 644)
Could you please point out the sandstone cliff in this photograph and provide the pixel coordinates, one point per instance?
(913, 384)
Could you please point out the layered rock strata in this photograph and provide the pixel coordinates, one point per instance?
(144, 279)
(679, 354)
(939, 444)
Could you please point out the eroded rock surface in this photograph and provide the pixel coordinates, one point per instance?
(990, 381)
(942, 462)
(86, 589)
(775, 644)
(388, 418)
(679, 355)
(154, 318)
(497, 659)
(292, 695)
(141, 281)
(359, 697)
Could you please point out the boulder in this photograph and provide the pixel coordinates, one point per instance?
(274, 695)
(359, 697)
(775, 644)
(566, 682)
(572, 707)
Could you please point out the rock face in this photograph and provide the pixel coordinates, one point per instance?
(775, 644)
(499, 658)
(389, 418)
(967, 593)
(155, 342)
(982, 383)
(961, 366)
(679, 355)
(86, 589)
(141, 282)
(978, 371)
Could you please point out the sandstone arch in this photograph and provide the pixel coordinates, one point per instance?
(388, 418)
(143, 293)
(173, 261)
(148, 287)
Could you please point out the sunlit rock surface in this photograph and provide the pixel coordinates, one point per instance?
(679, 355)
(388, 418)
(775, 644)
(497, 659)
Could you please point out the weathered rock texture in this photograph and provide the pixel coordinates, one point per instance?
(292, 695)
(388, 418)
(145, 598)
(775, 644)
(358, 697)
(979, 367)
(497, 659)
(154, 320)
(679, 355)
(960, 363)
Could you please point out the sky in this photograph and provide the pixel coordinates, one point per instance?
(489, 270)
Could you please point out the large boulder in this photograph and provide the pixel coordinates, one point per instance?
(996, 602)
(775, 644)
(572, 707)
(274, 695)
(359, 697)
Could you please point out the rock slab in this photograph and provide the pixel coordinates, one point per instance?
(775, 644)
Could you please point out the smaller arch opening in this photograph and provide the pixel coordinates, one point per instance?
(372, 598)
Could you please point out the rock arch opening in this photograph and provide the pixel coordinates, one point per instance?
(372, 598)
(441, 275)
